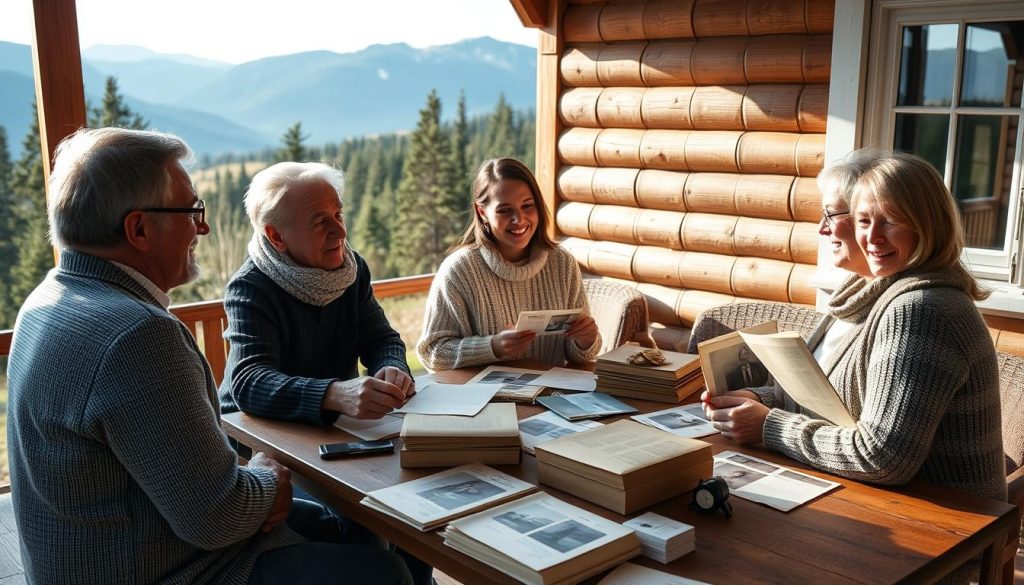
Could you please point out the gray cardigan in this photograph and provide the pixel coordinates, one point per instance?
(120, 472)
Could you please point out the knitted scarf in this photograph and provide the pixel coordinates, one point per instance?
(313, 286)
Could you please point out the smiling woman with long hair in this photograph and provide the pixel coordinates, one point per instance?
(504, 264)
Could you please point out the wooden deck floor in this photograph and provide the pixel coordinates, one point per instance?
(12, 573)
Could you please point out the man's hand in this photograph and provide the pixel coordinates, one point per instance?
(510, 344)
(583, 331)
(393, 375)
(363, 397)
(283, 498)
(738, 415)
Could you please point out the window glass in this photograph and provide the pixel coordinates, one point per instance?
(925, 135)
(927, 63)
(992, 65)
(982, 177)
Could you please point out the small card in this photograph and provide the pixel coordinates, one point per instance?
(657, 526)
(546, 322)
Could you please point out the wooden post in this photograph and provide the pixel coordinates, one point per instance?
(549, 89)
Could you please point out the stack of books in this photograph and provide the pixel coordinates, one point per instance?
(542, 540)
(491, 436)
(663, 539)
(624, 466)
(672, 381)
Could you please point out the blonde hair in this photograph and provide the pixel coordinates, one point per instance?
(910, 189)
(489, 175)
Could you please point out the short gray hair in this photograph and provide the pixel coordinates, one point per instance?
(99, 175)
(264, 200)
(848, 170)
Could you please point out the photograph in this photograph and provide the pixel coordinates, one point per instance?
(696, 410)
(460, 490)
(537, 427)
(504, 377)
(736, 476)
(559, 322)
(748, 372)
(728, 364)
(529, 518)
(805, 478)
(566, 536)
(758, 465)
(677, 420)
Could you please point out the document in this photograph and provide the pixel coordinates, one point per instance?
(766, 483)
(387, 426)
(546, 322)
(432, 501)
(685, 421)
(548, 425)
(728, 364)
(791, 362)
(568, 379)
(580, 406)
(459, 399)
(631, 574)
(514, 384)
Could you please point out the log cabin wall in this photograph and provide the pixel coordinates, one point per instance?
(689, 137)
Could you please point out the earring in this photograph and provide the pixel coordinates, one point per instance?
(487, 228)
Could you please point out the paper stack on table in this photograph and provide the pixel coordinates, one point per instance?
(492, 436)
(663, 539)
(456, 399)
(672, 381)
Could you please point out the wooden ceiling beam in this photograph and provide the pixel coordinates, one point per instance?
(57, 60)
(532, 13)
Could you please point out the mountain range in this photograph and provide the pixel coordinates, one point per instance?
(219, 107)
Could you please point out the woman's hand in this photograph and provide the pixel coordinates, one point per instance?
(511, 344)
(583, 331)
(738, 415)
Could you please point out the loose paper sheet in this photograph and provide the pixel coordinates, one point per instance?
(632, 574)
(568, 379)
(387, 426)
(791, 362)
(546, 322)
(460, 399)
(764, 482)
(548, 425)
(685, 421)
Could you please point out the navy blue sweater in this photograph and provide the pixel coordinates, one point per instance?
(285, 353)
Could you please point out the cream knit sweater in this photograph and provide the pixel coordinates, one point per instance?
(919, 373)
(477, 293)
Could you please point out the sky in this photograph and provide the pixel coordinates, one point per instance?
(236, 31)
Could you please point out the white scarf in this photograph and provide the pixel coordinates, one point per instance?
(313, 286)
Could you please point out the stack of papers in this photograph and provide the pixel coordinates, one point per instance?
(672, 381)
(492, 436)
(663, 539)
(548, 425)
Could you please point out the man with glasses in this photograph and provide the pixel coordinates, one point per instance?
(120, 472)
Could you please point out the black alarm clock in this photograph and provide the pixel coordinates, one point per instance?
(711, 495)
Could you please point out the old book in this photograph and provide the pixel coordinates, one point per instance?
(432, 501)
(618, 386)
(646, 464)
(451, 457)
(541, 540)
(793, 366)
(724, 358)
(678, 365)
(495, 426)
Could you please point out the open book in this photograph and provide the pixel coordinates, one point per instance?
(791, 363)
(727, 364)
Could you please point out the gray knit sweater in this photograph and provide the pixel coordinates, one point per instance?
(477, 293)
(919, 373)
(120, 472)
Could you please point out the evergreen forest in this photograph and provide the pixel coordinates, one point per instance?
(406, 195)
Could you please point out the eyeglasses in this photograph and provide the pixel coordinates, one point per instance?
(198, 212)
(830, 217)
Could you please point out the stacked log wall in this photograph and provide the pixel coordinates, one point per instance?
(690, 136)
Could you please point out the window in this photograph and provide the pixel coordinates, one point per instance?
(948, 88)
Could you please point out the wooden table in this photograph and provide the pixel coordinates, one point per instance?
(855, 534)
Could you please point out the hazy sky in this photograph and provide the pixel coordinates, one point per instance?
(237, 31)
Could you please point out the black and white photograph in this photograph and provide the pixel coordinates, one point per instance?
(748, 372)
(506, 377)
(566, 536)
(736, 476)
(460, 489)
(559, 323)
(805, 478)
(537, 427)
(529, 518)
(677, 420)
(758, 465)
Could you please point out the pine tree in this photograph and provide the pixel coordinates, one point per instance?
(501, 135)
(8, 251)
(293, 148)
(427, 217)
(371, 238)
(114, 111)
(460, 144)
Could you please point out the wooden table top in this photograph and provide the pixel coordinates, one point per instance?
(857, 533)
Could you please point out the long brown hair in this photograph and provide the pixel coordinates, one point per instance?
(490, 174)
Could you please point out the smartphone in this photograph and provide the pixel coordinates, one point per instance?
(336, 450)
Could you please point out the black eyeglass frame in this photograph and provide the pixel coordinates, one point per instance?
(830, 217)
(199, 208)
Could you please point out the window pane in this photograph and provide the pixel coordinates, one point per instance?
(925, 135)
(982, 173)
(927, 63)
(993, 69)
